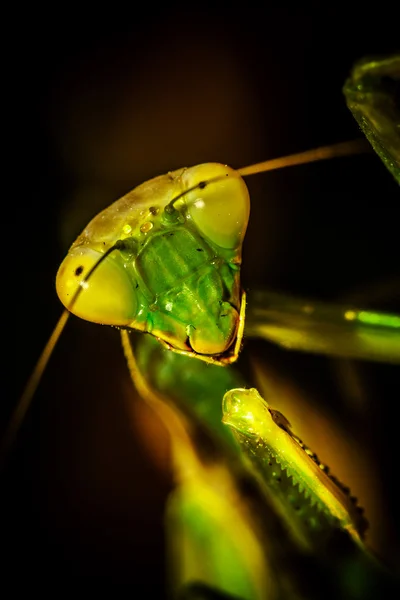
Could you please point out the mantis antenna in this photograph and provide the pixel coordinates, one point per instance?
(25, 400)
(325, 152)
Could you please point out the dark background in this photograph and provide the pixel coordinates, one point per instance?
(99, 104)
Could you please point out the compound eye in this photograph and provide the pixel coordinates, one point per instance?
(219, 205)
(106, 297)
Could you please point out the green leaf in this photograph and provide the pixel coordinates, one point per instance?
(373, 95)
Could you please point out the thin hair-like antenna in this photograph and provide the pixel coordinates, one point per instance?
(325, 152)
(169, 208)
(25, 400)
(349, 148)
(31, 387)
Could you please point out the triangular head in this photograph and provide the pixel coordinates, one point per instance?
(165, 259)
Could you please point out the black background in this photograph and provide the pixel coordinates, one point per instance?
(98, 104)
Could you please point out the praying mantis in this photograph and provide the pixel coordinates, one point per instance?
(350, 316)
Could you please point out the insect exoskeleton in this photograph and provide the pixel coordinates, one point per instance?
(165, 259)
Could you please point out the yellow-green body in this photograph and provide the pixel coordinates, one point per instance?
(165, 260)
